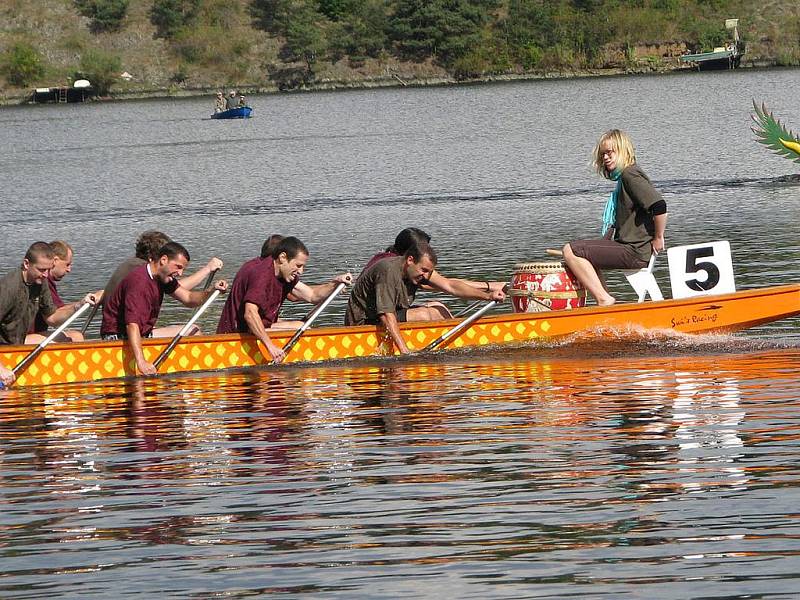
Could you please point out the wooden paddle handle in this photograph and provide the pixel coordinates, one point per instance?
(554, 252)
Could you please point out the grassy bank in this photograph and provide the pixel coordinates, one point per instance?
(191, 47)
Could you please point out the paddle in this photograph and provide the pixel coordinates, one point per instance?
(89, 318)
(475, 304)
(310, 319)
(464, 311)
(209, 279)
(36, 351)
(460, 327)
(185, 329)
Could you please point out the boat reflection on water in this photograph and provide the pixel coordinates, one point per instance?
(521, 453)
(684, 409)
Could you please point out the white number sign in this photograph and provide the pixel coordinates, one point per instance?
(701, 269)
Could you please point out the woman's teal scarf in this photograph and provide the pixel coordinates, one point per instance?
(610, 212)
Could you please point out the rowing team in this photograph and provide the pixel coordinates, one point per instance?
(634, 222)
(382, 295)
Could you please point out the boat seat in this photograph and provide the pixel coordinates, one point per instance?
(643, 282)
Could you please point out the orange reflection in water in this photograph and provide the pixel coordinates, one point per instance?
(513, 433)
(652, 410)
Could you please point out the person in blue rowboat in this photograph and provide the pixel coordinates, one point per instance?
(219, 102)
(232, 101)
(261, 287)
(24, 294)
(130, 313)
(384, 293)
(633, 224)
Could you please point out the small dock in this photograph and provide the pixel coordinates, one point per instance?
(77, 92)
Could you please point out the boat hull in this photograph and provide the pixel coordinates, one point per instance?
(242, 112)
(90, 361)
(714, 61)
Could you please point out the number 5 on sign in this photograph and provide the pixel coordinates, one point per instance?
(701, 269)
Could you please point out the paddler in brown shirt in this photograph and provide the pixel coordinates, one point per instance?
(384, 293)
(62, 265)
(24, 293)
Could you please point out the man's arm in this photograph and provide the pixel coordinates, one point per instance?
(193, 298)
(256, 327)
(135, 342)
(66, 311)
(195, 279)
(317, 293)
(462, 289)
(389, 321)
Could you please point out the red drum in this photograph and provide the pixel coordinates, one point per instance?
(545, 286)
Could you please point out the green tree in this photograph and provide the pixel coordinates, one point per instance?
(170, 16)
(305, 35)
(104, 15)
(444, 29)
(362, 33)
(270, 15)
(22, 65)
(529, 27)
(100, 68)
(337, 10)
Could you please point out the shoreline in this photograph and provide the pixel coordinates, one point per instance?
(394, 81)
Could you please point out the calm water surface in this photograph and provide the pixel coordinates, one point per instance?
(656, 467)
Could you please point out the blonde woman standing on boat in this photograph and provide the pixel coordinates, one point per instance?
(634, 221)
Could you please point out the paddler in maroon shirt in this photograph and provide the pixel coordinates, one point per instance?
(130, 313)
(263, 284)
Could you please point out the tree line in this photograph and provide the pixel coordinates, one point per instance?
(467, 38)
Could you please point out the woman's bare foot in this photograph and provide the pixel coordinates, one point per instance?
(610, 301)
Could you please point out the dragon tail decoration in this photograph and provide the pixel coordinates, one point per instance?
(772, 133)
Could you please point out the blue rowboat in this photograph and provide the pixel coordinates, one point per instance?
(240, 112)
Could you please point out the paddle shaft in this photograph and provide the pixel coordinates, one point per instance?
(185, 329)
(89, 318)
(35, 352)
(310, 319)
(464, 311)
(460, 327)
(209, 279)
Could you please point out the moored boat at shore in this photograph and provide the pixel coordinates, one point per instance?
(723, 57)
(90, 361)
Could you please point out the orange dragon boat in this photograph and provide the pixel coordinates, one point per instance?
(95, 360)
